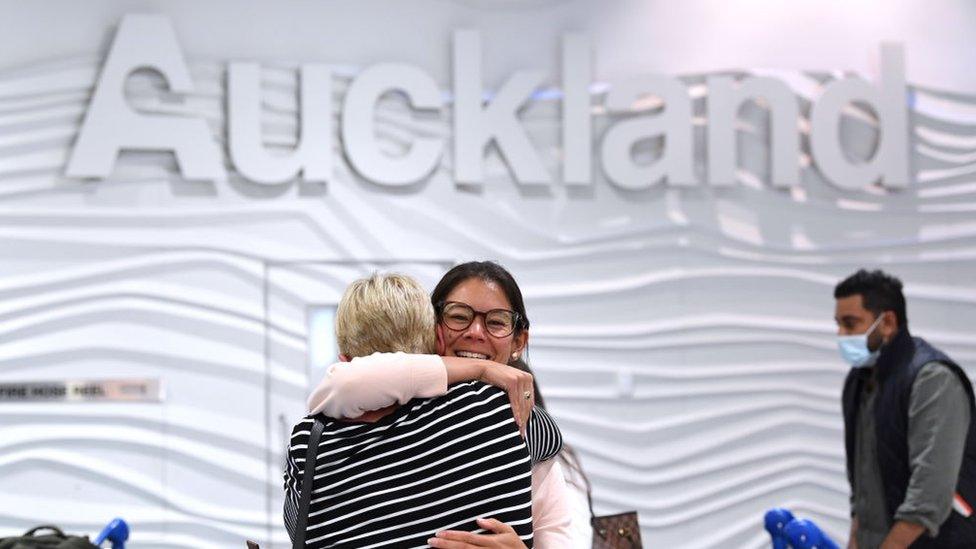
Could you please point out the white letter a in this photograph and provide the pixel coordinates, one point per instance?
(111, 125)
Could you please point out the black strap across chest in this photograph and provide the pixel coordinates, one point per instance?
(307, 478)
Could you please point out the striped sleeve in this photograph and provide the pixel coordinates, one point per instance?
(542, 436)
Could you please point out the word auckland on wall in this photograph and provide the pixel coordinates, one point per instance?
(148, 41)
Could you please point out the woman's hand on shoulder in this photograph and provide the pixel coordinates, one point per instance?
(516, 383)
(499, 535)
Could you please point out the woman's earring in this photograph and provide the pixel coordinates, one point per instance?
(514, 356)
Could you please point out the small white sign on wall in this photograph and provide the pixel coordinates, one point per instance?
(105, 390)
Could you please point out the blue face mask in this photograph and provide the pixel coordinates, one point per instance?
(854, 348)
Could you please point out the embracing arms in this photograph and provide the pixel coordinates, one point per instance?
(350, 389)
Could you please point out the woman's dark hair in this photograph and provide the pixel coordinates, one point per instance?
(490, 271)
(568, 456)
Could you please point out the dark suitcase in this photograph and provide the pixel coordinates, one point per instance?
(55, 539)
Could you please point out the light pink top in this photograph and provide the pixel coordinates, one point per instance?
(350, 389)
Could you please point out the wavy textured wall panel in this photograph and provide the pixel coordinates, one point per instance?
(682, 337)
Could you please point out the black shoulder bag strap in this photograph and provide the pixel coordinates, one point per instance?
(309, 475)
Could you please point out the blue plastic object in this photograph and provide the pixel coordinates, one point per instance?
(805, 534)
(116, 532)
(776, 520)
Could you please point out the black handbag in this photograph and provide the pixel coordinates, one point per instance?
(307, 477)
(55, 539)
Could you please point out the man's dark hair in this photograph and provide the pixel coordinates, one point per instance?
(880, 291)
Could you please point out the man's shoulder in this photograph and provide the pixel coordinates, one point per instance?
(941, 389)
(937, 373)
(936, 368)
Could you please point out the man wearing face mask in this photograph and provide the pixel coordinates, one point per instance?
(911, 449)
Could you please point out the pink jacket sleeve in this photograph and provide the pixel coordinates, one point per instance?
(350, 389)
(551, 514)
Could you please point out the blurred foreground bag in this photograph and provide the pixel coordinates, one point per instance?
(55, 539)
(616, 531)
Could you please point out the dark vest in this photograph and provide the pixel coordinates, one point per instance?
(896, 369)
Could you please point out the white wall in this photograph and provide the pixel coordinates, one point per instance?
(682, 336)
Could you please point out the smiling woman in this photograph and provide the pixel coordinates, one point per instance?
(481, 313)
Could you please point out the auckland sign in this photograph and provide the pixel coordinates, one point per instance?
(111, 125)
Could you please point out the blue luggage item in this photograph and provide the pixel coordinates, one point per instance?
(116, 532)
(775, 521)
(787, 532)
(805, 534)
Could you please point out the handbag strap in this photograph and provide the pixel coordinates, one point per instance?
(309, 475)
(572, 460)
(589, 500)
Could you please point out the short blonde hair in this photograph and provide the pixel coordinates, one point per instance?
(385, 313)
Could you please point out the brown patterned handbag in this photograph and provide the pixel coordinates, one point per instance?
(616, 531)
(621, 531)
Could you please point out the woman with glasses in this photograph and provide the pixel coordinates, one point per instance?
(482, 327)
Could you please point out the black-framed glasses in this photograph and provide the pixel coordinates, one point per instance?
(458, 316)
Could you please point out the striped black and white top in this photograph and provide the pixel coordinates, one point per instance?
(431, 465)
